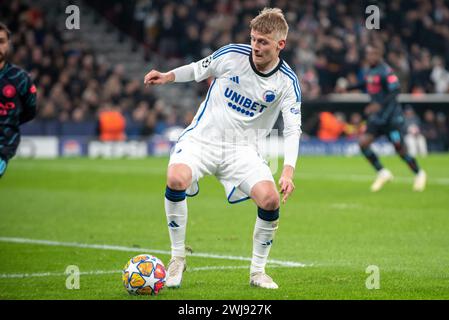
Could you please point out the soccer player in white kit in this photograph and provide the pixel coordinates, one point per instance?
(251, 86)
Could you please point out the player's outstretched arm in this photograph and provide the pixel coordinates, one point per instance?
(156, 77)
(181, 74)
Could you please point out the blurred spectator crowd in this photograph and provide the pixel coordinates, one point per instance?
(75, 85)
(325, 42)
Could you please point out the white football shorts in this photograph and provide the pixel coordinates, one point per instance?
(237, 167)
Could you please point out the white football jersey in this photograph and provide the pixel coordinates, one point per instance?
(242, 100)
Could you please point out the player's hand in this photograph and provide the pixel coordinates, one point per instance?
(341, 85)
(156, 77)
(286, 185)
(372, 108)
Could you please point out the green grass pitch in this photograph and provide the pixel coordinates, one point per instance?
(332, 224)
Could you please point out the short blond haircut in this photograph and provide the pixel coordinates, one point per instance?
(271, 20)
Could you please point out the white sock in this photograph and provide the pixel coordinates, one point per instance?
(176, 213)
(262, 240)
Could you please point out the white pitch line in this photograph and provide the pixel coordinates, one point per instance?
(345, 206)
(65, 167)
(131, 249)
(52, 274)
(207, 268)
(102, 272)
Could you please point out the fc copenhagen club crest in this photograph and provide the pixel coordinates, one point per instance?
(9, 91)
(269, 96)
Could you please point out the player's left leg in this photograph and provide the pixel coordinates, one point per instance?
(383, 175)
(245, 172)
(266, 197)
(3, 165)
(396, 138)
(7, 149)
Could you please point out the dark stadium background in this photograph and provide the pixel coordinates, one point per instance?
(67, 209)
(79, 73)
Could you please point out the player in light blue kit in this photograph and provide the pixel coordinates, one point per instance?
(251, 86)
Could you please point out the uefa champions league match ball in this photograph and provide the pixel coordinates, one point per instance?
(144, 275)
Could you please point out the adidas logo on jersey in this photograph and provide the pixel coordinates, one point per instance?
(235, 79)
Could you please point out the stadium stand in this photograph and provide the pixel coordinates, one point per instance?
(79, 72)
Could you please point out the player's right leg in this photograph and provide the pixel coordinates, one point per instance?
(383, 175)
(396, 138)
(179, 178)
(189, 162)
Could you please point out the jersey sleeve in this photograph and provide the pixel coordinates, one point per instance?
(28, 93)
(291, 114)
(391, 80)
(214, 65)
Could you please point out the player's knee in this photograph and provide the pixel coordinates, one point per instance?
(363, 143)
(177, 182)
(400, 148)
(270, 201)
(178, 179)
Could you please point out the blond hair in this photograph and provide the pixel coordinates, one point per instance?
(271, 20)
